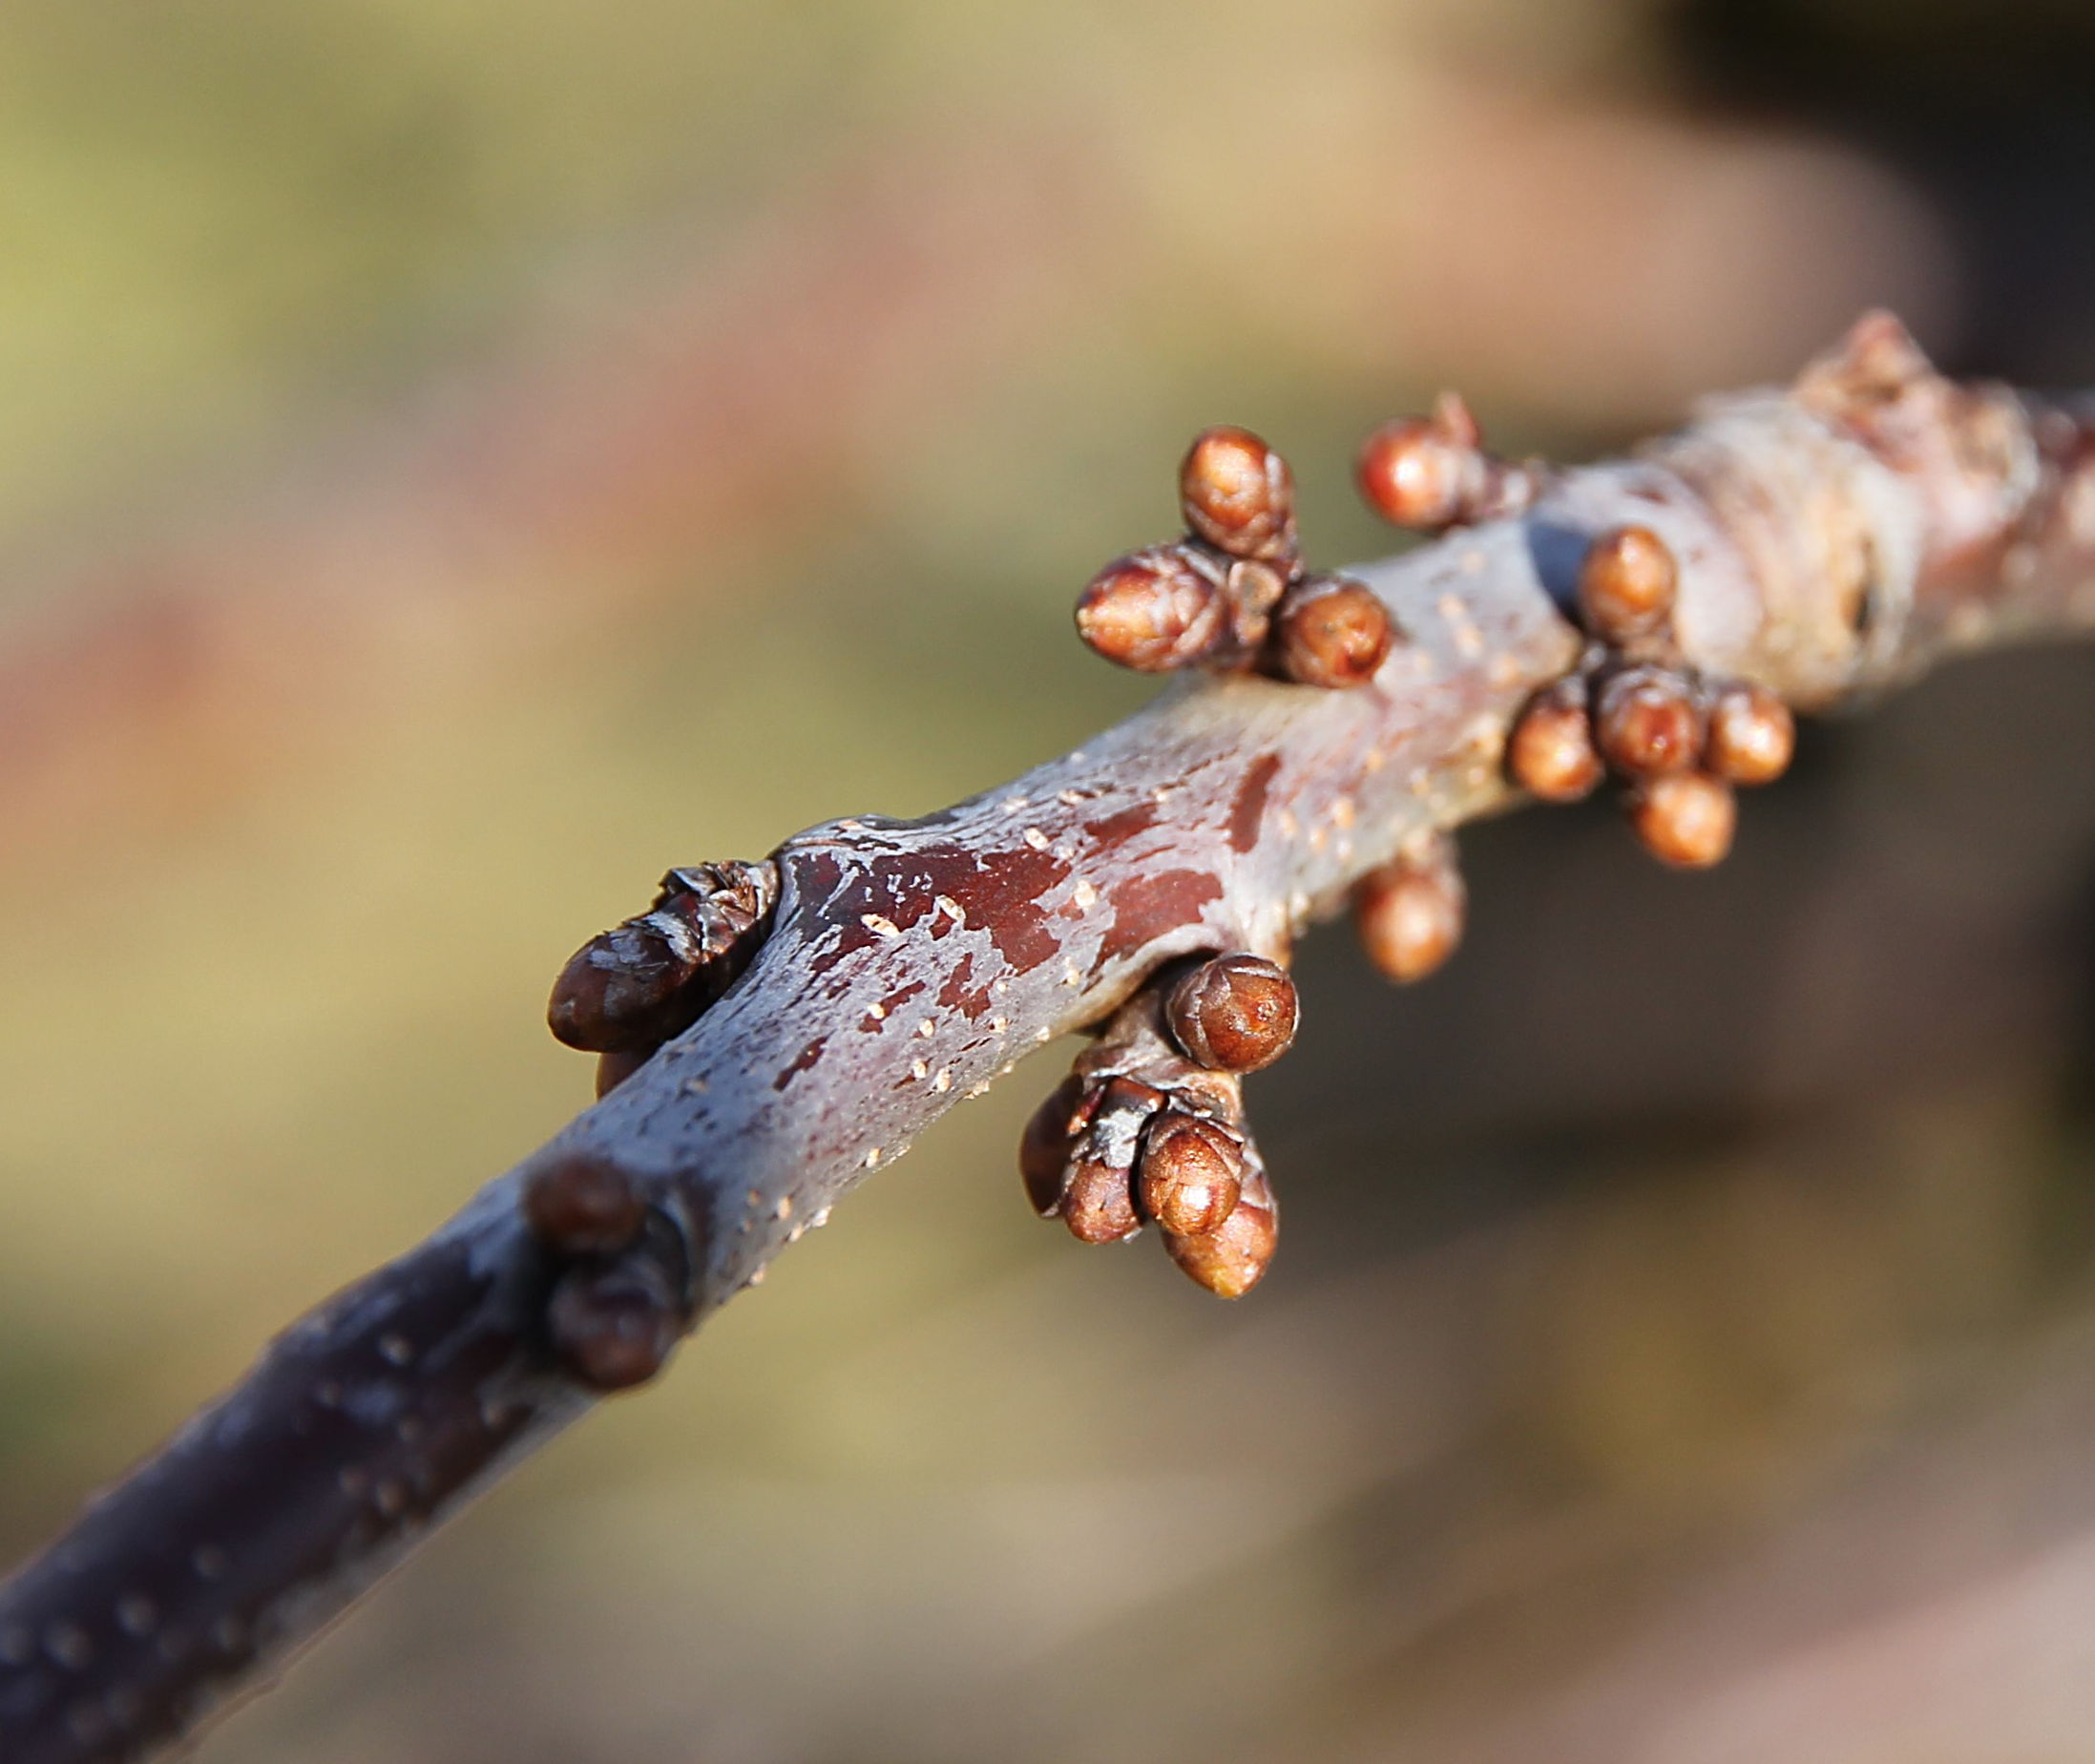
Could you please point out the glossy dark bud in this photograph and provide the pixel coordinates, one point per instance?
(618, 987)
(1155, 611)
(1238, 495)
(1234, 1014)
(1626, 583)
(1648, 723)
(635, 986)
(1550, 754)
(1685, 819)
(580, 1204)
(1331, 631)
(1410, 914)
(1233, 1258)
(1044, 1149)
(1753, 736)
(613, 1325)
(1192, 1173)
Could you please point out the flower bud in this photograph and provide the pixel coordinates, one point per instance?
(617, 989)
(636, 985)
(1231, 1260)
(1751, 735)
(1155, 611)
(1648, 723)
(1685, 819)
(1333, 632)
(1550, 754)
(1234, 1014)
(1410, 915)
(1416, 474)
(1238, 495)
(580, 1204)
(1626, 583)
(1191, 1174)
(1044, 1148)
(1099, 1204)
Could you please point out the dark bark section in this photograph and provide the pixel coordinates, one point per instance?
(362, 1423)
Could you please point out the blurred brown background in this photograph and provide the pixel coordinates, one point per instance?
(459, 459)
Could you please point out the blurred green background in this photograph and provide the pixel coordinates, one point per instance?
(460, 460)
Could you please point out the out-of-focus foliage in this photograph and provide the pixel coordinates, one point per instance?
(460, 460)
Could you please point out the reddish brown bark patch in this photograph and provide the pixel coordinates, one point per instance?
(1116, 830)
(804, 1062)
(1146, 908)
(1248, 814)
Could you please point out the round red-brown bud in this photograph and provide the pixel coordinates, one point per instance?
(1099, 1205)
(1192, 1173)
(1331, 631)
(1409, 917)
(1044, 1147)
(1153, 612)
(580, 1204)
(1234, 1014)
(1685, 819)
(1550, 754)
(1416, 474)
(613, 1326)
(1648, 723)
(1751, 735)
(1627, 582)
(1238, 495)
(1232, 1259)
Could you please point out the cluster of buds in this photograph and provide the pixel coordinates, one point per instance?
(1681, 741)
(630, 989)
(1428, 473)
(1232, 594)
(1150, 1126)
(618, 1300)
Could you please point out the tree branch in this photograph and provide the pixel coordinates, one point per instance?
(1831, 540)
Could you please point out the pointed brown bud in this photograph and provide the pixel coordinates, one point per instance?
(1232, 1259)
(636, 985)
(1410, 914)
(580, 1204)
(1550, 754)
(1418, 474)
(1044, 1149)
(1685, 819)
(1648, 723)
(1099, 1205)
(1191, 1174)
(1751, 735)
(617, 989)
(1234, 1014)
(1626, 583)
(1155, 611)
(1239, 496)
(613, 1325)
(1331, 631)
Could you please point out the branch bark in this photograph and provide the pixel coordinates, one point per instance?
(1833, 540)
